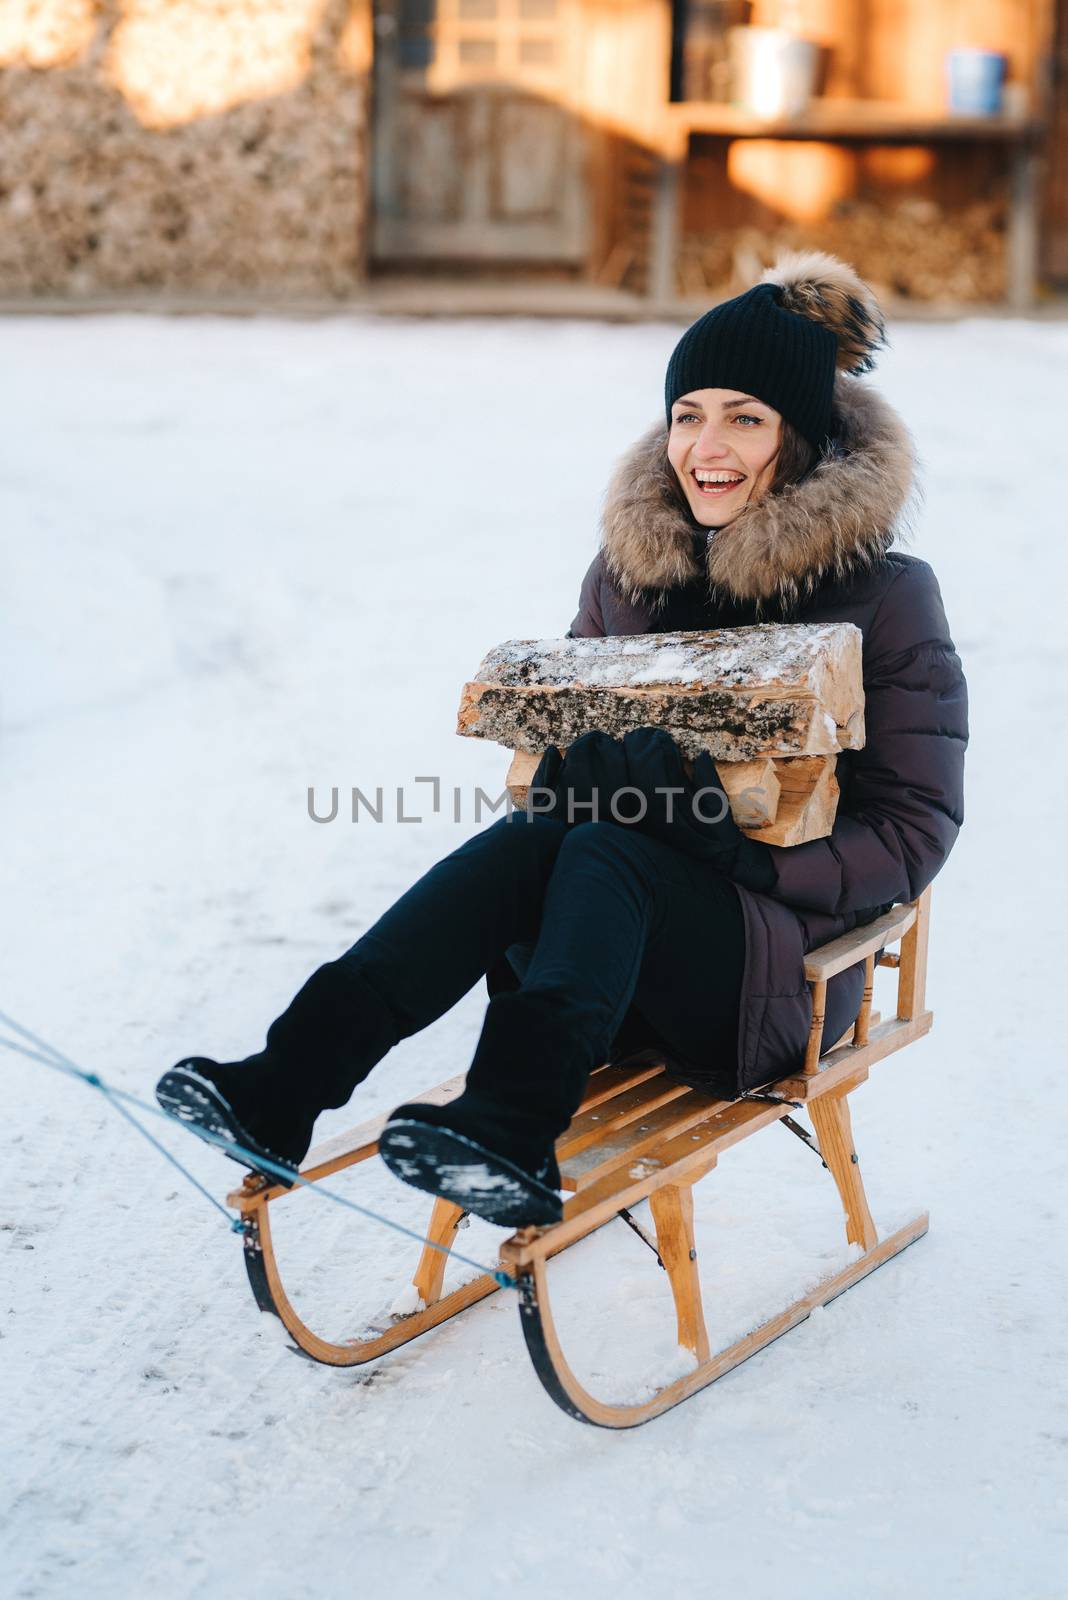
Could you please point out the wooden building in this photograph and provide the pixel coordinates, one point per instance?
(297, 150)
(544, 133)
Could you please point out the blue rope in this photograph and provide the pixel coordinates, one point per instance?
(111, 1095)
(49, 1056)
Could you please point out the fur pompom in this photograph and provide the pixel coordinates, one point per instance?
(821, 287)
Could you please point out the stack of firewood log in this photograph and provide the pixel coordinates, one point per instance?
(195, 146)
(914, 249)
(773, 704)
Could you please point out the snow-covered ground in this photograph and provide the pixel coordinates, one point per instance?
(242, 557)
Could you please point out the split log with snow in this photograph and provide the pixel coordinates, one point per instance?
(775, 689)
(773, 704)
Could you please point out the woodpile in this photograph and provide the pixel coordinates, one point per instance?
(182, 145)
(912, 249)
(774, 704)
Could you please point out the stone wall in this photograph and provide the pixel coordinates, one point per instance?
(196, 147)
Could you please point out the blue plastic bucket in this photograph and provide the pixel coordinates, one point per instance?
(975, 80)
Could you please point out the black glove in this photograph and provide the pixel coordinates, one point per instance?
(693, 814)
(585, 783)
(598, 768)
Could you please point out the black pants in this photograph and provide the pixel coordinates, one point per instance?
(623, 940)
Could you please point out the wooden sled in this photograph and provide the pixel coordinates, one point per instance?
(641, 1134)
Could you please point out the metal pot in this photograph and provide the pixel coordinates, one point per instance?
(773, 72)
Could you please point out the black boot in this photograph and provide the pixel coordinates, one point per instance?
(203, 1092)
(464, 1153)
(326, 1042)
(492, 1150)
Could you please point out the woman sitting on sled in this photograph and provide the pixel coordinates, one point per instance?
(771, 492)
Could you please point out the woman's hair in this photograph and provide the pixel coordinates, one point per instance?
(796, 459)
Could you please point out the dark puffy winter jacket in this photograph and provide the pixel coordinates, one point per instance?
(818, 552)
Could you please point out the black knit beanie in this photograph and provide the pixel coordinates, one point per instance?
(783, 341)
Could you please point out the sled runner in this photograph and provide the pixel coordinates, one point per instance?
(641, 1134)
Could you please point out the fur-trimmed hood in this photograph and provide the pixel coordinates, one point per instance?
(843, 515)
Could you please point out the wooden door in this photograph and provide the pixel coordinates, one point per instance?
(478, 151)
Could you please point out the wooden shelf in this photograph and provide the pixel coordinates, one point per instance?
(882, 121)
(842, 119)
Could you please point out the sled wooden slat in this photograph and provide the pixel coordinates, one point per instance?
(610, 1081)
(689, 1156)
(641, 1134)
(593, 1127)
(635, 1137)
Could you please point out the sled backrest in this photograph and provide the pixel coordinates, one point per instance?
(909, 924)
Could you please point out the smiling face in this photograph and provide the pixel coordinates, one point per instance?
(723, 445)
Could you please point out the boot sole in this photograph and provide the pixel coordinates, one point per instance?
(457, 1168)
(196, 1101)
